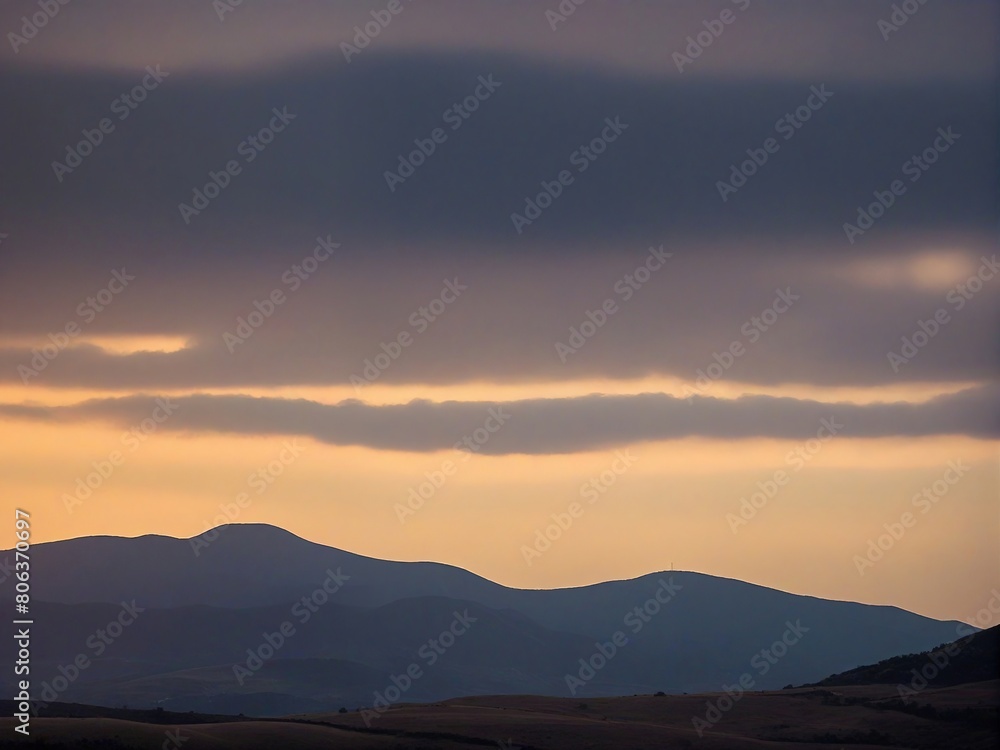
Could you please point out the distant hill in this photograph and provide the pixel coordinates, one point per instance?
(972, 658)
(671, 631)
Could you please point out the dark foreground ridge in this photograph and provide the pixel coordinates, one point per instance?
(973, 658)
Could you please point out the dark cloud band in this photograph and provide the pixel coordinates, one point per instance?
(543, 426)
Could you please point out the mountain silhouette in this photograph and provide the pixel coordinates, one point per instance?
(208, 603)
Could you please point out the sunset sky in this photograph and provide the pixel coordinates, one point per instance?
(644, 355)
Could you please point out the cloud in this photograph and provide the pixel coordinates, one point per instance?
(660, 176)
(768, 38)
(505, 327)
(656, 184)
(544, 426)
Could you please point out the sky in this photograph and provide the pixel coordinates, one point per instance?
(555, 293)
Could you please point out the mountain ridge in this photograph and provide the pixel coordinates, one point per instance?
(272, 529)
(203, 615)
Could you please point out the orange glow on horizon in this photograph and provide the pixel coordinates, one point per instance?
(671, 505)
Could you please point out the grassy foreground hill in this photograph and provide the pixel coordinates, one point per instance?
(857, 717)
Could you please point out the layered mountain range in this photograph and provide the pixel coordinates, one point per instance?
(250, 618)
